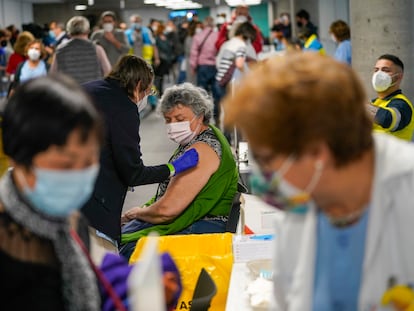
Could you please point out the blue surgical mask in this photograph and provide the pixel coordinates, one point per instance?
(278, 192)
(58, 193)
(52, 34)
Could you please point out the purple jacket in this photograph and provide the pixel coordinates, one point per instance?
(207, 54)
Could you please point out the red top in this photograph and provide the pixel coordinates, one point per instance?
(14, 61)
(222, 37)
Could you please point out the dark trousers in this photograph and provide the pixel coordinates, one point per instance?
(206, 78)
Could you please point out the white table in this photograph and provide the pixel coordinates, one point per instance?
(237, 299)
(261, 219)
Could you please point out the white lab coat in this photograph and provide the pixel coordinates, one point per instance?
(389, 247)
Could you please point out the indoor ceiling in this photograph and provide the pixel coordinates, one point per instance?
(132, 4)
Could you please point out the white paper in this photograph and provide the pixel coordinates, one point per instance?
(145, 285)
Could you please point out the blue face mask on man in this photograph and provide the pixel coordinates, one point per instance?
(58, 193)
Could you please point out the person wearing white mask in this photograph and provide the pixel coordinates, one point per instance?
(113, 40)
(199, 200)
(228, 29)
(392, 111)
(344, 241)
(34, 66)
(120, 96)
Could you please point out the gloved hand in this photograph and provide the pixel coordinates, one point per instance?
(188, 160)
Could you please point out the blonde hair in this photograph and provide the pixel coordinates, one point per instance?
(290, 102)
(22, 40)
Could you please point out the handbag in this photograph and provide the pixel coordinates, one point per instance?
(202, 43)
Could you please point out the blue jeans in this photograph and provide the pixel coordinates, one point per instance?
(206, 79)
(198, 227)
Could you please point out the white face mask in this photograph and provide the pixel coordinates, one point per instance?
(180, 132)
(333, 38)
(381, 81)
(241, 19)
(33, 54)
(142, 103)
(108, 27)
(198, 30)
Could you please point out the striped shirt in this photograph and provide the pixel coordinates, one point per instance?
(228, 53)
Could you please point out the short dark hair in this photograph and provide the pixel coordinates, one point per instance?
(303, 14)
(43, 112)
(395, 59)
(109, 13)
(130, 70)
(246, 30)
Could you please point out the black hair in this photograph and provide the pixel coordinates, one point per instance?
(246, 30)
(43, 112)
(395, 59)
(303, 14)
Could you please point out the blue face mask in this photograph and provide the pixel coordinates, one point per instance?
(59, 192)
(52, 34)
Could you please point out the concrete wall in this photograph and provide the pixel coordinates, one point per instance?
(15, 12)
(379, 29)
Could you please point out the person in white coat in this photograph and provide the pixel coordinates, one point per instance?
(346, 238)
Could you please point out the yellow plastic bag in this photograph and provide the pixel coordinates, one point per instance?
(192, 252)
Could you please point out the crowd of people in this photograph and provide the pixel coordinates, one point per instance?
(71, 131)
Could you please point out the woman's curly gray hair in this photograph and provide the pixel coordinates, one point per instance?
(189, 95)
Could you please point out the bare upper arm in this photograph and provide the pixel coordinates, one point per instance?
(184, 187)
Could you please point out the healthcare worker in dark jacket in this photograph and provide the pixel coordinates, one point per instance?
(120, 97)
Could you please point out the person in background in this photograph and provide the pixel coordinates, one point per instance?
(52, 134)
(14, 32)
(228, 29)
(392, 111)
(120, 97)
(33, 67)
(279, 40)
(233, 55)
(58, 33)
(19, 55)
(341, 35)
(141, 40)
(310, 41)
(346, 233)
(166, 55)
(203, 61)
(286, 26)
(199, 200)
(78, 57)
(178, 48)
(153, 25)
(303, 22)
(194, 28)
(113, 40)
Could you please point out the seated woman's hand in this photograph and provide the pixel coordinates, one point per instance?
(128, 216)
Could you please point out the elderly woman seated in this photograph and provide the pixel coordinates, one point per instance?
(199, 200)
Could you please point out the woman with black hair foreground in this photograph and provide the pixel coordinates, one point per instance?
(52, 134)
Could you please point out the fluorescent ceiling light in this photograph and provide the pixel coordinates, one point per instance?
(191, 5)
(80, 7)
(242, 2)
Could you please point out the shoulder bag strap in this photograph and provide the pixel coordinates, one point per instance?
(99, 274)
